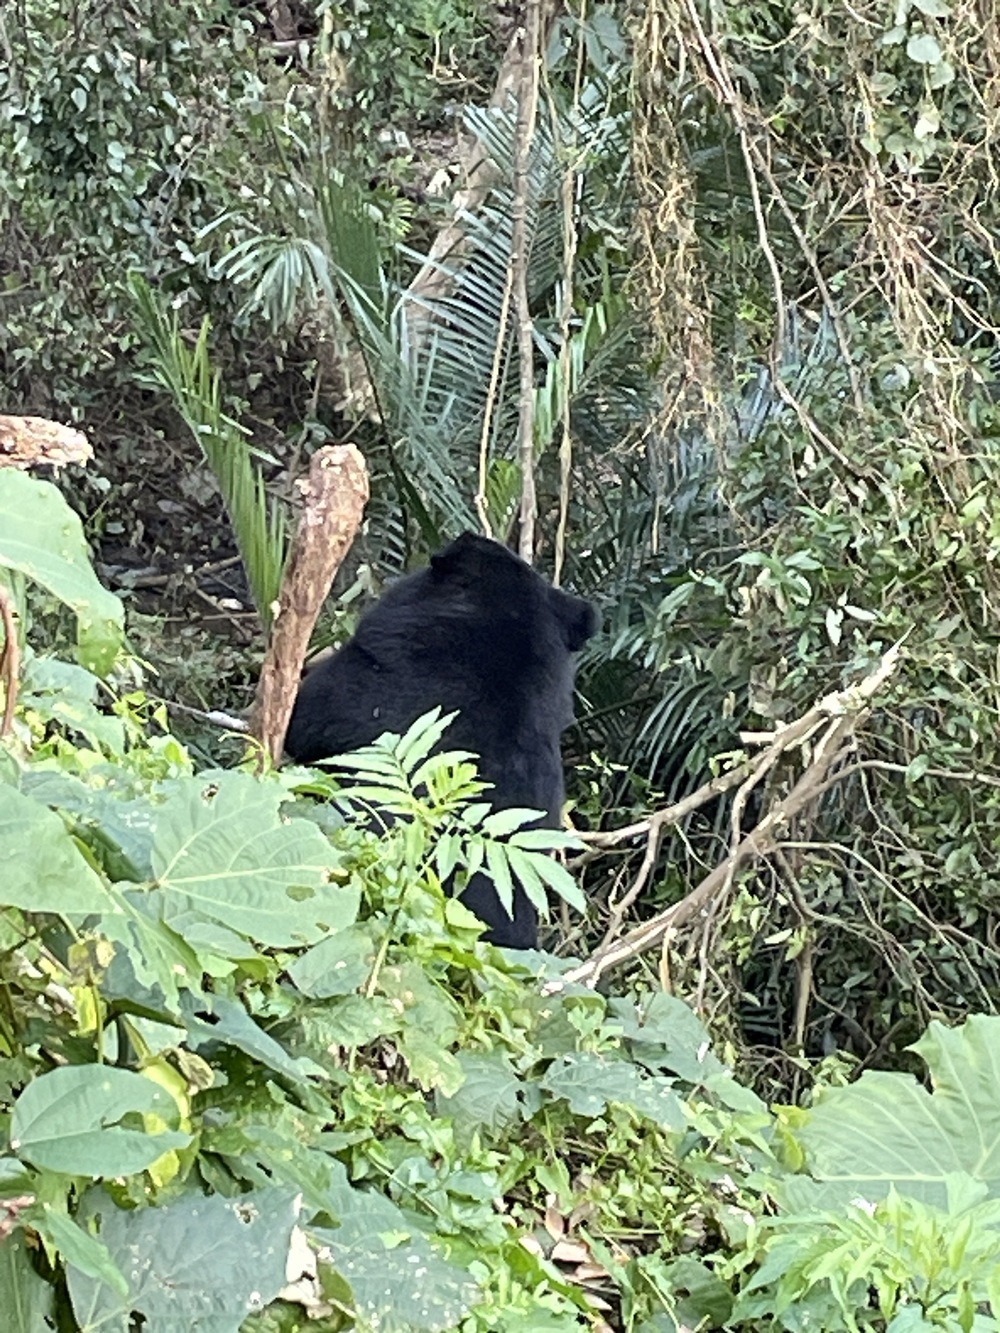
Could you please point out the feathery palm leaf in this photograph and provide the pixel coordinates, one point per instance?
(259, 522)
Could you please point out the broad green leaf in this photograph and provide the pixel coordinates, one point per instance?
(153, 964)
(43, 869)
(431, 1064)
(67, 1121)
(396, 1278)
(42, 537)
(357, 1020)
(232, 1026)
(665, 1033)
(924, 49)
(589, 1082)
(66, 693)
(888, 1130)
(123, 819)
(80, 1248)
(337, 965)
(25, 1297)
(488, 1097)
(200, 1262)
(222, 850)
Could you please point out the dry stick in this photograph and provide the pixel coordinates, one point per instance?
(569, 184)
(527, 105)
(756, 844)
(335, 494)
(842, 711)
(10, 661)
(482, 509)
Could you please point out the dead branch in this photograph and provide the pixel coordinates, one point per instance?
(838, 715)
(335, 494)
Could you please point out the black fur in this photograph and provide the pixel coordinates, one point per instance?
(481, 632)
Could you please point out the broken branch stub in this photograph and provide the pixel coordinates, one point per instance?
(334, 497)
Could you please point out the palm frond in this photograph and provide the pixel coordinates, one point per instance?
(259, 522)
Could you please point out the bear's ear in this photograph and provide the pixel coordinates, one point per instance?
(462, 556)
(579, 620)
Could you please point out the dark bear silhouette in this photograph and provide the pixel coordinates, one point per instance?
(479, 631)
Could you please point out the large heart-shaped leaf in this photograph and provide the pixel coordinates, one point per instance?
(222, 850)
(887, 1129)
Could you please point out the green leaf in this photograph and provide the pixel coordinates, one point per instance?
(934, 9)
(67, 1121)
(200, 1262)
(887, 1130)
(80, 1248)
(65, 693)
(501, 823)
(223, 851)
(186, 373)
(488, 1098)
(589, 1081)
(231, 1025)
(396, 1278)
(26, 1299)
(924, 49)
(43, 869)
(336, 966)
(42, 537)
(498, 868)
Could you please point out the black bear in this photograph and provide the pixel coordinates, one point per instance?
(479, 631)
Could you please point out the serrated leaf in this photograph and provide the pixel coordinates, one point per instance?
(488, 1097)
(67, 1121)
(421, 738)
(560, 881)
(43, 869)
(42, 537)
(501, 823)
(589, 1081)
(497, 867)
(221, 850)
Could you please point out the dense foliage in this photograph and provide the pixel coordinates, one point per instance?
(253, 1063)
(763, 276)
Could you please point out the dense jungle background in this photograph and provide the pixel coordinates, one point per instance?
(699, 304)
